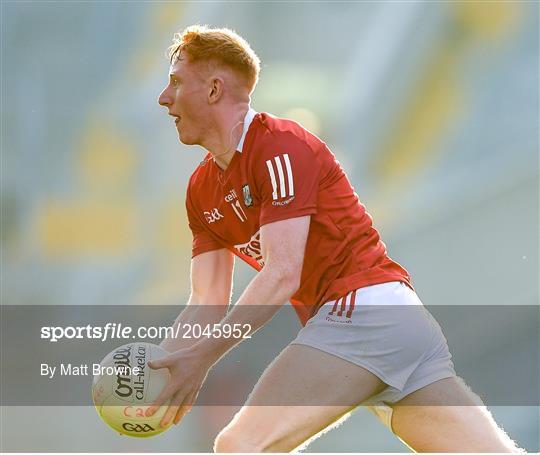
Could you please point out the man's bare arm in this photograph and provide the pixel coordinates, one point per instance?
(211, 285)
(283, 245)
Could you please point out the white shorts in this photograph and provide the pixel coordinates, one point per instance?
(385, 329)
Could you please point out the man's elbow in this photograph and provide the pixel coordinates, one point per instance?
(210, 294)
(289, 281)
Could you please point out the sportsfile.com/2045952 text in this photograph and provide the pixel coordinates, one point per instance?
(118, 331)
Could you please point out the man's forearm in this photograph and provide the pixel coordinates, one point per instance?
(258, 304)
(194, 313)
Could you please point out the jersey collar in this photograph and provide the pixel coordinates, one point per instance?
(251, 113)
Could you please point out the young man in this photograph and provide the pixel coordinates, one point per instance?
(273, 194)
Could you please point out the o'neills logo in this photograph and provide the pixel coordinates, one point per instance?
(123, 378)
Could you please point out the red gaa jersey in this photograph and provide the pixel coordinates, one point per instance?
(282, 171)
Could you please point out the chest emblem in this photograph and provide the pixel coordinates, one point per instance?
(248, 200)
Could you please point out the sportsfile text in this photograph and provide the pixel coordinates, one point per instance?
(118, 331)
(111, 330)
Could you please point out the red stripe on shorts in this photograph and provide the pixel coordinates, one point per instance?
(343, 305)
(334, 307)
(351, 307)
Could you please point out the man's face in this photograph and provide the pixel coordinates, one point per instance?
(186, 98)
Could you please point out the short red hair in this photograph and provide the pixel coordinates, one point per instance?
(203, 43)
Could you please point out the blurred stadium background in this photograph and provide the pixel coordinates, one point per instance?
(431, 107)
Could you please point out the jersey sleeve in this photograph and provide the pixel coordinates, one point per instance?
(287, 175)
(203, 241)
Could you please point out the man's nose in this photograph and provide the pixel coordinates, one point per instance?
(164, 98)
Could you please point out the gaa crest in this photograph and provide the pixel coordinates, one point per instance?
(248, 200)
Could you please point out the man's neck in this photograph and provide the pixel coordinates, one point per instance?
(228, 132)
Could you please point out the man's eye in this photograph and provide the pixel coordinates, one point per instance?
(174, 83)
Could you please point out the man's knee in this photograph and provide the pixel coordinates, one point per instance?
(230, 440)
(234, 438)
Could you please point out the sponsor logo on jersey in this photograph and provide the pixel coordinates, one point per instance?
(231, 196)
(343, 308)
(248, 200)
(213, 216)
(252, 248)
(281, 177)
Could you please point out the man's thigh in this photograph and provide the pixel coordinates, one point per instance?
(301, 393)
(447, 417)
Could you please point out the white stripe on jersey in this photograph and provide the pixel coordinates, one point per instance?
(272, 178)
(281, 174)
(289, 174)
(277, 159)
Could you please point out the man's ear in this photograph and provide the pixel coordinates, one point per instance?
(216, 90)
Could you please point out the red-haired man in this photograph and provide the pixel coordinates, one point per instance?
(271, 193)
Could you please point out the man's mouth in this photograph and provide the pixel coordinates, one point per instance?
(176, 118)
